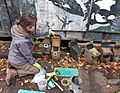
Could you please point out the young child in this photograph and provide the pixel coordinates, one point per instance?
(20, 53)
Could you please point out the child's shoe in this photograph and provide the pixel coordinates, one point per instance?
(10, 74)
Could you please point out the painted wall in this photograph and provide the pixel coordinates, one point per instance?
(10, 11)
(73, 14)
(70, 15)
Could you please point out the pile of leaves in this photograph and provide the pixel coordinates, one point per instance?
(4, 47)
(3, 63)
(69, 62)
(109, 69)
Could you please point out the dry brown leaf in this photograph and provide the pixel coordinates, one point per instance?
(2, 47)
(1, 89)
(109, 86)
(3, 69)
(21, 84)
(1, 79)
(28, 81)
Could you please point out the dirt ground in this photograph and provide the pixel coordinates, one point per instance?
(94, 75)
(94, 81)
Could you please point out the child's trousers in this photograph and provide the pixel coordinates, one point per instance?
(25, 69)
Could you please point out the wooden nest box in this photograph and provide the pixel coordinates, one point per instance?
(55, 49)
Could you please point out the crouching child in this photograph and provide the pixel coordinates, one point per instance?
(20, 53)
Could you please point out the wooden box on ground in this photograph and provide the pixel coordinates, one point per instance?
(55, 50)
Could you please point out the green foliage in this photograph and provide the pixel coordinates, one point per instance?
(36, 41)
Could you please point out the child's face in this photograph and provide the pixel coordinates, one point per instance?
(31, 28)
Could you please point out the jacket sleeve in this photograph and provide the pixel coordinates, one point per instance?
(26, 51)
(41, 32)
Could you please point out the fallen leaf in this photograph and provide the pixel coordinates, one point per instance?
(21, 84)
(1, 79)
(1, 89)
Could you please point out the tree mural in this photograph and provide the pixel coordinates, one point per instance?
(65, 21)
(10, 11)
(64, 14)
(71, 6)
(116, 24)
(103, 11)
(27, 6)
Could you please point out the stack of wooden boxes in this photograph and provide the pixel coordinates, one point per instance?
(107, 53)
(116, 51)
(55, 49)
(46, 46)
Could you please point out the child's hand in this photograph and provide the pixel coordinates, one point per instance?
(37, 65)
(51, 33)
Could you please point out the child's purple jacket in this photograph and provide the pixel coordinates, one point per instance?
(21, 47)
